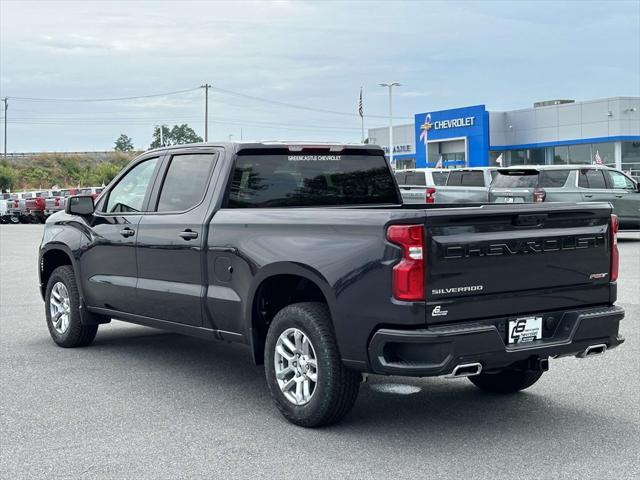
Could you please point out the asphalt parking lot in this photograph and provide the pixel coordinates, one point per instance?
(141, 403)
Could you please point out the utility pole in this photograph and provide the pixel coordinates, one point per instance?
(206, 87)
(6, 107)
(390, 86)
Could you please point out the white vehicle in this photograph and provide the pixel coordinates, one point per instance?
(418, 185)
(467, 185)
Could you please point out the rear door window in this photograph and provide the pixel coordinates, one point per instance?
(591, 178)
(267, 178)
(554, 178)
(185, 182)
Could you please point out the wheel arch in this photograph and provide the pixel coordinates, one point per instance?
(51, 257)
(276, 286)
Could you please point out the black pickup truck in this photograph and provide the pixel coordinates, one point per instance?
(306, 254)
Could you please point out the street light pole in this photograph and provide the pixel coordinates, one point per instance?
(6, 106)
(206, 87)
(390, 86)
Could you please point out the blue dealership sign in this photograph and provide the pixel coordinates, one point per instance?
(470, 123)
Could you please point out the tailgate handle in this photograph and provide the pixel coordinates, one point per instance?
(530, 220)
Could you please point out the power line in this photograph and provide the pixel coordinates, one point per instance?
(115, 99)
(299, 107)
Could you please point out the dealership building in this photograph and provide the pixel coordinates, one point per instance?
(553, 132)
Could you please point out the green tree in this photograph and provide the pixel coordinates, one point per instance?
(181, 134)
(123, 144)
(7, 177)
(177, 135)
(103, 173)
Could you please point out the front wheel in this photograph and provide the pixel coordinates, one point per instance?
(307, 380)
(506, 381)
(62, 308)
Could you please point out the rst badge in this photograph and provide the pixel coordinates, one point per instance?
(523, 330)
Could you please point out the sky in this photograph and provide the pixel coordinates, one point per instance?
(292, 70)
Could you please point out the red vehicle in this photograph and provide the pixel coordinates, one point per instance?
(35, 206)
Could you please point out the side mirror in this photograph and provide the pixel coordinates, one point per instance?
(79, 205)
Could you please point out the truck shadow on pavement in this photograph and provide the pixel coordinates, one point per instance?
(418, 409)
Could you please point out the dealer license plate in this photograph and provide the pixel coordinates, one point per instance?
(523, 330)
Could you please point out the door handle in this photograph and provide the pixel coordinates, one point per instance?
(589, 196)
(619, 196)
(127, 232)
(188, 234)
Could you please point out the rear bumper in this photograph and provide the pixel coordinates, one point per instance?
(437, 351)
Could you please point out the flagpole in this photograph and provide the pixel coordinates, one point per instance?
(361, 112)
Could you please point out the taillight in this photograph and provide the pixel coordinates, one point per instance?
(408, 275)
(57, 201)
(539, 194)
(430, 195)
(615, 255)
(16, 203)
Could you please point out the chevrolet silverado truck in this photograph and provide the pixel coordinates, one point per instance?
(305, 254)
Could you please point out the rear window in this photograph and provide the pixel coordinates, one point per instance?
(516, 179)
(415, 178)
(401, 177)
(440, 178)
(466, 179)
(280, 178)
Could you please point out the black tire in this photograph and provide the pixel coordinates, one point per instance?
(76, 334)
(337, 386)
(506, 381)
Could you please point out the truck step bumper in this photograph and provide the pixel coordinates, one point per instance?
(439, 350)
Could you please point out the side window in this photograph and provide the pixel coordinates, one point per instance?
(185, 182)
(454, 179)
(554, 178)
(128, 195)
(618, 180)
(472, 179)
(591, 178)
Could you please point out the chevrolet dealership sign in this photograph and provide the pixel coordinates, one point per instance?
(454, 123)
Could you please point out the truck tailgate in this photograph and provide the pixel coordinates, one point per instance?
(501, 260)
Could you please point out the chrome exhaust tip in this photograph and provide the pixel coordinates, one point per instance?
(593, 350)
(466, 370)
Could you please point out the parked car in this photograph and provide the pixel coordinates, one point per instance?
(4, 207)
(35, 206)
(57, 200)
(576, 183)
(419, 185)
(17, 208)
(466, 185)
(307, 255)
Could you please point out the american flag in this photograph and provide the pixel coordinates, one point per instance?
(597, 160)
(360, 110)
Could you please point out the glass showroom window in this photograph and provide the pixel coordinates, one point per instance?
(518, 157)
(631, 158)
(580, 154)
(606, 151)
(561, 155)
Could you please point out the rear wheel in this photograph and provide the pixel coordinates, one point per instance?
(307, 380)
(506, 381)
(62, 308)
